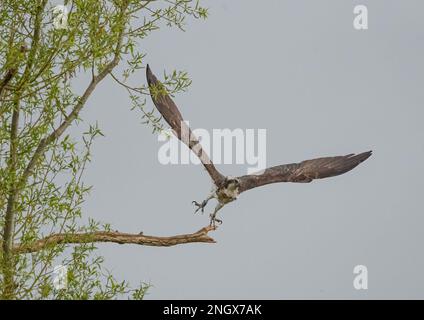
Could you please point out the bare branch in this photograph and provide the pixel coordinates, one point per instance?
(200, 236)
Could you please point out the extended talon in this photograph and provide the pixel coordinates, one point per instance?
(213, 217)
(214, 220)
(200, 206)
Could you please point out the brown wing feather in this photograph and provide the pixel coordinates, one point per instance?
(305, 171)
(173, 117)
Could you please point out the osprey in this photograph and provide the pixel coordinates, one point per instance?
(227, 189)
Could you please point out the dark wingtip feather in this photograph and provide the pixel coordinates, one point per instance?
(352, 161)
(363, 156)
(345, 163)
(150, 76)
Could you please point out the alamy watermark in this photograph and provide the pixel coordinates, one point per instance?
(223, 146)
(60, 20)
(360, 281)
(60, 279)
(360, 21)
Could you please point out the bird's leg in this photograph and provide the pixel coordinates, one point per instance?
(201, 206)
(214, 219)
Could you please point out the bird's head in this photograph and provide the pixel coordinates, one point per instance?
(228, 190)
(231, 186)
(231, 183)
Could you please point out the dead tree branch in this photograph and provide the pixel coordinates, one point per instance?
(115, 237)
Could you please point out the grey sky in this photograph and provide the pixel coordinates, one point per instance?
(299, 69)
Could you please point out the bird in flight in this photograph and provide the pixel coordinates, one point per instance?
(227, 189)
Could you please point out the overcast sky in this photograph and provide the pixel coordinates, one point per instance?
(320, 88)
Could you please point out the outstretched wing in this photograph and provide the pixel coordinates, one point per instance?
(173, 117)
(305, 171)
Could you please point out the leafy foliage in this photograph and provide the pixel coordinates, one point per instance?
(41, 165)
